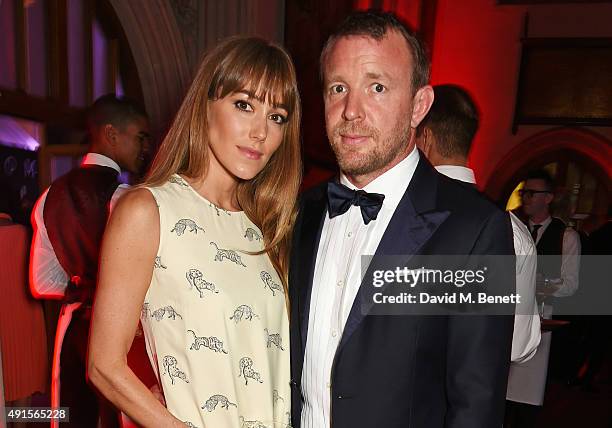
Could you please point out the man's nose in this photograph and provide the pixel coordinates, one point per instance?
(353, 107)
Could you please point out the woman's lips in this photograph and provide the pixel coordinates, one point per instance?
(250, 153)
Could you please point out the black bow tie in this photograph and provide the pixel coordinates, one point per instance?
(340, 198)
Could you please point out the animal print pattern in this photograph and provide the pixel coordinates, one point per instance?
(276, 397)
(213, 401)
(250, 424)
(195, 278)
(211, 320)
(243, 311)
(212, 343)
(217, 209)
(251, 234)
(270, 283)
(158, 264)
(175, 179)
(185, 223)
(231, 255)
(144, 312)
(274, 339)
(172, 370)
(158, 314)
(247, 371)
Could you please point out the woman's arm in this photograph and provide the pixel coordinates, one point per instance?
(126, 266)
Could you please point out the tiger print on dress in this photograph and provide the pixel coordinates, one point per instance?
(158, 264)
(247, 371)
(158, 314)
(274, 339)
(171, 369)
(213, 401)
(212, 343)
(270, 283)
(250, 424)
(144, 312)
(251, 234)
(276, 397)
(231, 255)
(195, 278)
(217, 209)
(185, 223)
(243, 311)
(178, 180)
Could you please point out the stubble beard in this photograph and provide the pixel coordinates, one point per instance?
(353, 162)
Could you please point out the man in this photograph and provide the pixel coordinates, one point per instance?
(69, 220)
(351, 368)
(551, 236)
(445, 137)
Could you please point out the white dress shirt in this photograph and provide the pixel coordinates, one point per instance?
(527, 335)
(570, 258)
(337, 278)
(48, 279)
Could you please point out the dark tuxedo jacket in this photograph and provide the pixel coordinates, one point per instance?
(412, 371)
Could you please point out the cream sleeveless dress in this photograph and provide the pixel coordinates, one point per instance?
(214, 317)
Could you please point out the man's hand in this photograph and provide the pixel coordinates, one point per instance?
(547, 287)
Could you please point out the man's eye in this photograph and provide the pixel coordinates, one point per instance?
(243, 105)
(338, 89)
(378, 88)
(278, 118)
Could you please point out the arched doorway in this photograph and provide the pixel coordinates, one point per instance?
(579, 161)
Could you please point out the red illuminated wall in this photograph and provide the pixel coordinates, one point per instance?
(477, 45)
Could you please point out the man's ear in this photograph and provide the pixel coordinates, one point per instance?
(426, 145)
(110, 134)
(549, 197)
(422, 101)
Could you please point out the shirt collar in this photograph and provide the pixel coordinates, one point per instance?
(392, 183)
(457, 172)
(543, 223)
(101, 160)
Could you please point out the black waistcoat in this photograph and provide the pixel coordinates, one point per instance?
(551, 244)
(75, 214)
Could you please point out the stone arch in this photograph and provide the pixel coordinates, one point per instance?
(160, 56)
(592, 148)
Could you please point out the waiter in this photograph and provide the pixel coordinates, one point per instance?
(69, 220)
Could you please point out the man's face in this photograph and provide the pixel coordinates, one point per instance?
(133, 145)
(369, 103)
(536, 198)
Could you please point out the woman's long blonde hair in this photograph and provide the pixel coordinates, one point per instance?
(269, 199)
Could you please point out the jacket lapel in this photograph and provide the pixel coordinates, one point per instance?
(414, 222)
(313, 216)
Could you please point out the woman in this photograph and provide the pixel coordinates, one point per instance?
(199, 253)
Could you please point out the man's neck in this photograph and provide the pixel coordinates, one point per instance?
(539, 218)
(445, 161)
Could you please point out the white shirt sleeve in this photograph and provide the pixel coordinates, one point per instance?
(48, 280)
(527, 334)
(570, 263)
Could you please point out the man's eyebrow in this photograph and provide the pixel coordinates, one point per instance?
(374, 75)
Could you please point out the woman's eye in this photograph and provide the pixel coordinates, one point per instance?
(243, 105)
(338, 89)
(278, 118)
(378, 88)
